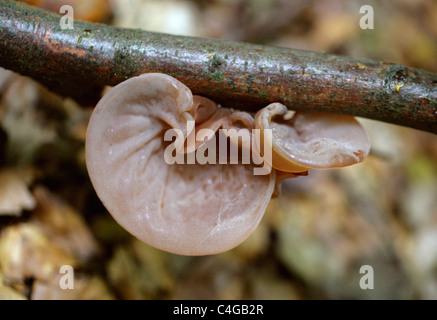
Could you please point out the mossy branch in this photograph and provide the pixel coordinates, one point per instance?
(79, 62)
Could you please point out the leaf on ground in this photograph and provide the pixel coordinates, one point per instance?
(94, 11)
(26, 252)
(140, 271)
(22, 120)
(85, 288)
(7, 293)
(63, 225)
(14, 191)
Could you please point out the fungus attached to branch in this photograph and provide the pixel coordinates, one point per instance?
(311, 140)
(199, 209)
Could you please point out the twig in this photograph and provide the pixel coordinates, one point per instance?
(240, 75)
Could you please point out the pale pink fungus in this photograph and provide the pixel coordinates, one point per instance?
(195, 209)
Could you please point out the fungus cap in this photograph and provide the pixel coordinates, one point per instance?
(187, 209)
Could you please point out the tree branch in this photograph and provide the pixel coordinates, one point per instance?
(78, 62)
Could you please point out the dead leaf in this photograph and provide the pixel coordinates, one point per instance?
(63, 225)
(25, 252)
(14, 191)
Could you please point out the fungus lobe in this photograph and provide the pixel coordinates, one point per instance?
(195, 209)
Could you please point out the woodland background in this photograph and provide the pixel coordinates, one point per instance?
(312, 240)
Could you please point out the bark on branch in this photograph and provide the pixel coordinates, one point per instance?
(78, 62)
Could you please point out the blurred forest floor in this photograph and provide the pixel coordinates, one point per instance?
(312, 240)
